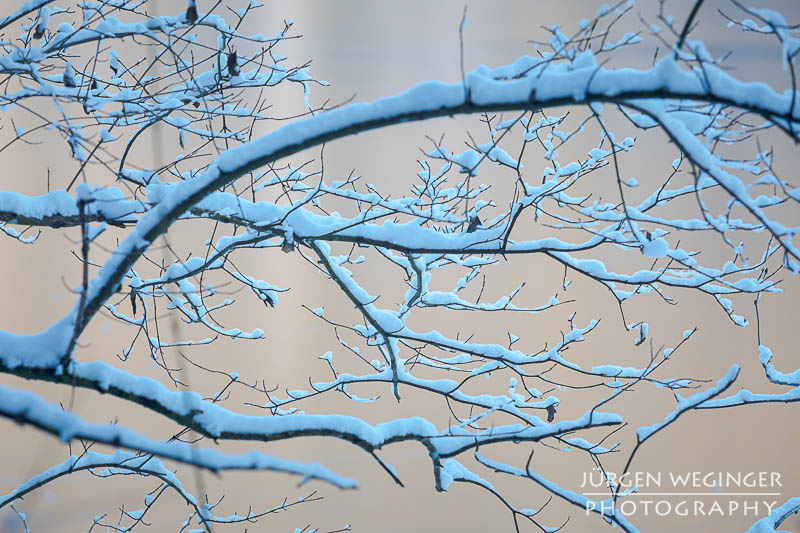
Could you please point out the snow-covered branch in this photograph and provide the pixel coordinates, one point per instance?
(27, 408)
(478, 232)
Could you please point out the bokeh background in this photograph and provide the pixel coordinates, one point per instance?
(367, 50)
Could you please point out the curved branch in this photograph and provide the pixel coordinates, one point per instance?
(145, 465)
(213, 421)
(424, 101)
(27, 408)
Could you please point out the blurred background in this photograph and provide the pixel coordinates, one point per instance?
(367, 50)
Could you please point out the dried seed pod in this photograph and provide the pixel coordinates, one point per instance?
(191, 12)
(268, 300)
(69, 76)
(233, 63)
(113, 63)
(44, 20)
(474, 223)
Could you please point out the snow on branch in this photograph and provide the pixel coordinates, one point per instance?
(27, 408)
(719, 222)
(213, 420)
(24, 9)
(776, 517)
(59, 209)
(585, 83)
(686, 404)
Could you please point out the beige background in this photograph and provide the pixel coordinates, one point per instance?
(372, 49)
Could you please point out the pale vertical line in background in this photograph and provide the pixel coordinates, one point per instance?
(156, 147)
